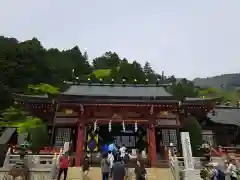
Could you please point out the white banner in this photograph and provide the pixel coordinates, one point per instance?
(187, 150)
(66, 147)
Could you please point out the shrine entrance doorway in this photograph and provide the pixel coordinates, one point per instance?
(164, 138)
(129, 137)
(118, 135)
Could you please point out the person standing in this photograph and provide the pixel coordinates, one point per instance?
(232, 169)
(105, 167)
(85, 167)
(117, 154)
(112, 148)
(126, 159)
(206, 151)
(140, 171)
(122, 151)
(63, 166)
(111, 159)
(118, 170)
(214, 172)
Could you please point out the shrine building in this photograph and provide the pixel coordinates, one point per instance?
(142, 117)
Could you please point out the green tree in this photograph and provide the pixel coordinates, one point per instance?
(192, 126)
(183, 89)
(28, 64)
(38, 137)
(108, 61)
(22, 120)
(42, 89)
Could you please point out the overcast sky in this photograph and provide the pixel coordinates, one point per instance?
(187, 38)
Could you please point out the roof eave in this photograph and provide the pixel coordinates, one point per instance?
(32, 98)
(199, 100)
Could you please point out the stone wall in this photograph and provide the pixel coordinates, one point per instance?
(35, 173)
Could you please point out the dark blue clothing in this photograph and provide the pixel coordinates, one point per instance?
(105, 148)
(118, 171)
(105, 176)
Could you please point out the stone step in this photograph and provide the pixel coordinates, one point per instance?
(75, 173)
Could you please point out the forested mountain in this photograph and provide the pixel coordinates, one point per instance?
(225, 81)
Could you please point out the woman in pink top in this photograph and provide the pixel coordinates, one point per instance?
(63, 166)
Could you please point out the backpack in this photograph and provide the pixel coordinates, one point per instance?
(126, 159)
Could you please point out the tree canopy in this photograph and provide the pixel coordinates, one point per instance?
(28, 65)
(20, 119)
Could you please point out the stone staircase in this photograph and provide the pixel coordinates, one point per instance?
(192, 174)
(75, 173)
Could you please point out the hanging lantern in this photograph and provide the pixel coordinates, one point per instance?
(238, 104)
(123, 126)
(227, 103)
(146, 80)
(136, 127)
(95, 126)
(110, 126)
(112, 81)
(213, 113)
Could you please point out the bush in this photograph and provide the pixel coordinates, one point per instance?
(192, 126)
(39, 138)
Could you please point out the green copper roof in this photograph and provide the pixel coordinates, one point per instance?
(117, 91)
(226, 116)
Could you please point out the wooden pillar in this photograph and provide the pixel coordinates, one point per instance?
(178, 141)
(148, 140)
(152, 145)
(79, 145)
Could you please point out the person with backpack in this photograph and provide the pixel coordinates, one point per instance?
(105, 167)
(86, 167)
(140, 171)
(126, 159)
(118, 171)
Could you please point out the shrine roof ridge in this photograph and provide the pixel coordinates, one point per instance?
(194, 99)
(118, 84)
(226, 107)
(45, 96)
(94, 90)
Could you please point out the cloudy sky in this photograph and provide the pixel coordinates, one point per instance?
(187, 38)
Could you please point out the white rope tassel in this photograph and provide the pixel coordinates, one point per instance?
(95, 126)
(110, 126)
(123, 126)
(136, 127)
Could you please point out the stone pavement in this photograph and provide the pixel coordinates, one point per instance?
(75, 173)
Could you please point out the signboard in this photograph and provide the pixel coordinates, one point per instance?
(166, 122)
(187, 150)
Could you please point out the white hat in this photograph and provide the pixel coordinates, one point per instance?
(214, 164)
